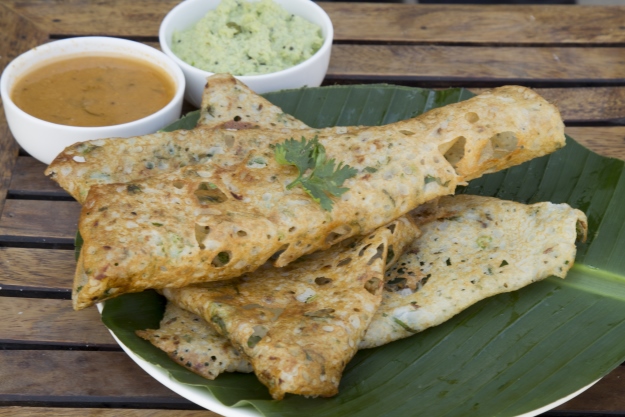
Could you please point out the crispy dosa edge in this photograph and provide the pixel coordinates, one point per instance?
(539, 131)
(300, 325)
(227, 103)
(191, 342)
(475, 247)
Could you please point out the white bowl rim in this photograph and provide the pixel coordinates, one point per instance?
(327, 43)
(172, 70)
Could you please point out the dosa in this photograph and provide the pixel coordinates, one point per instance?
(220, 220)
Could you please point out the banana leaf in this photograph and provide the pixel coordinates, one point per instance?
(506, 355)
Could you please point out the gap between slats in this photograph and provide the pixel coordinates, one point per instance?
(153, 41)
(58, 411)
(96, 402)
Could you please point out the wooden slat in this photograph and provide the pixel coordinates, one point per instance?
(40, 221)
(28, 179)
(8, 155)
(474, 66)
(99, 412)
(79, 377)
(16, 36)
(137, 18)
(500, 24)
(36, 269)
(606, 141)
(383, 22)
(51, 322)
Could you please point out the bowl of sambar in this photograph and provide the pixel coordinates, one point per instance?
(87, 88)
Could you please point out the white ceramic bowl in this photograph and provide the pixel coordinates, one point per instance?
(45, 140)
(308, 73)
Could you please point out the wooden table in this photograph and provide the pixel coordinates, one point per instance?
(52, 360)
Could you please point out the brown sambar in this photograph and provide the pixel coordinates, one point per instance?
(93, 90)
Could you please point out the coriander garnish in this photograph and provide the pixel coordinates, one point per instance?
(323, 179)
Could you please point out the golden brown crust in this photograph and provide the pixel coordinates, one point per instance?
(300, 325)
(194, 344)
(199, 225)
(537, 129)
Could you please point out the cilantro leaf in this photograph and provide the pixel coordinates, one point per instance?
(299, 154)
(324, 180)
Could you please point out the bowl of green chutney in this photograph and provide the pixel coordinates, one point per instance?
(269, 45)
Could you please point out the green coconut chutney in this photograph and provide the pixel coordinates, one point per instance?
(247, 38)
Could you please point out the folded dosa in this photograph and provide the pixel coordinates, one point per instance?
(472, 248)
(494, 131)
(300, 325)
(194, 344)
(456, 229)
(217, 221)
(226, 104)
